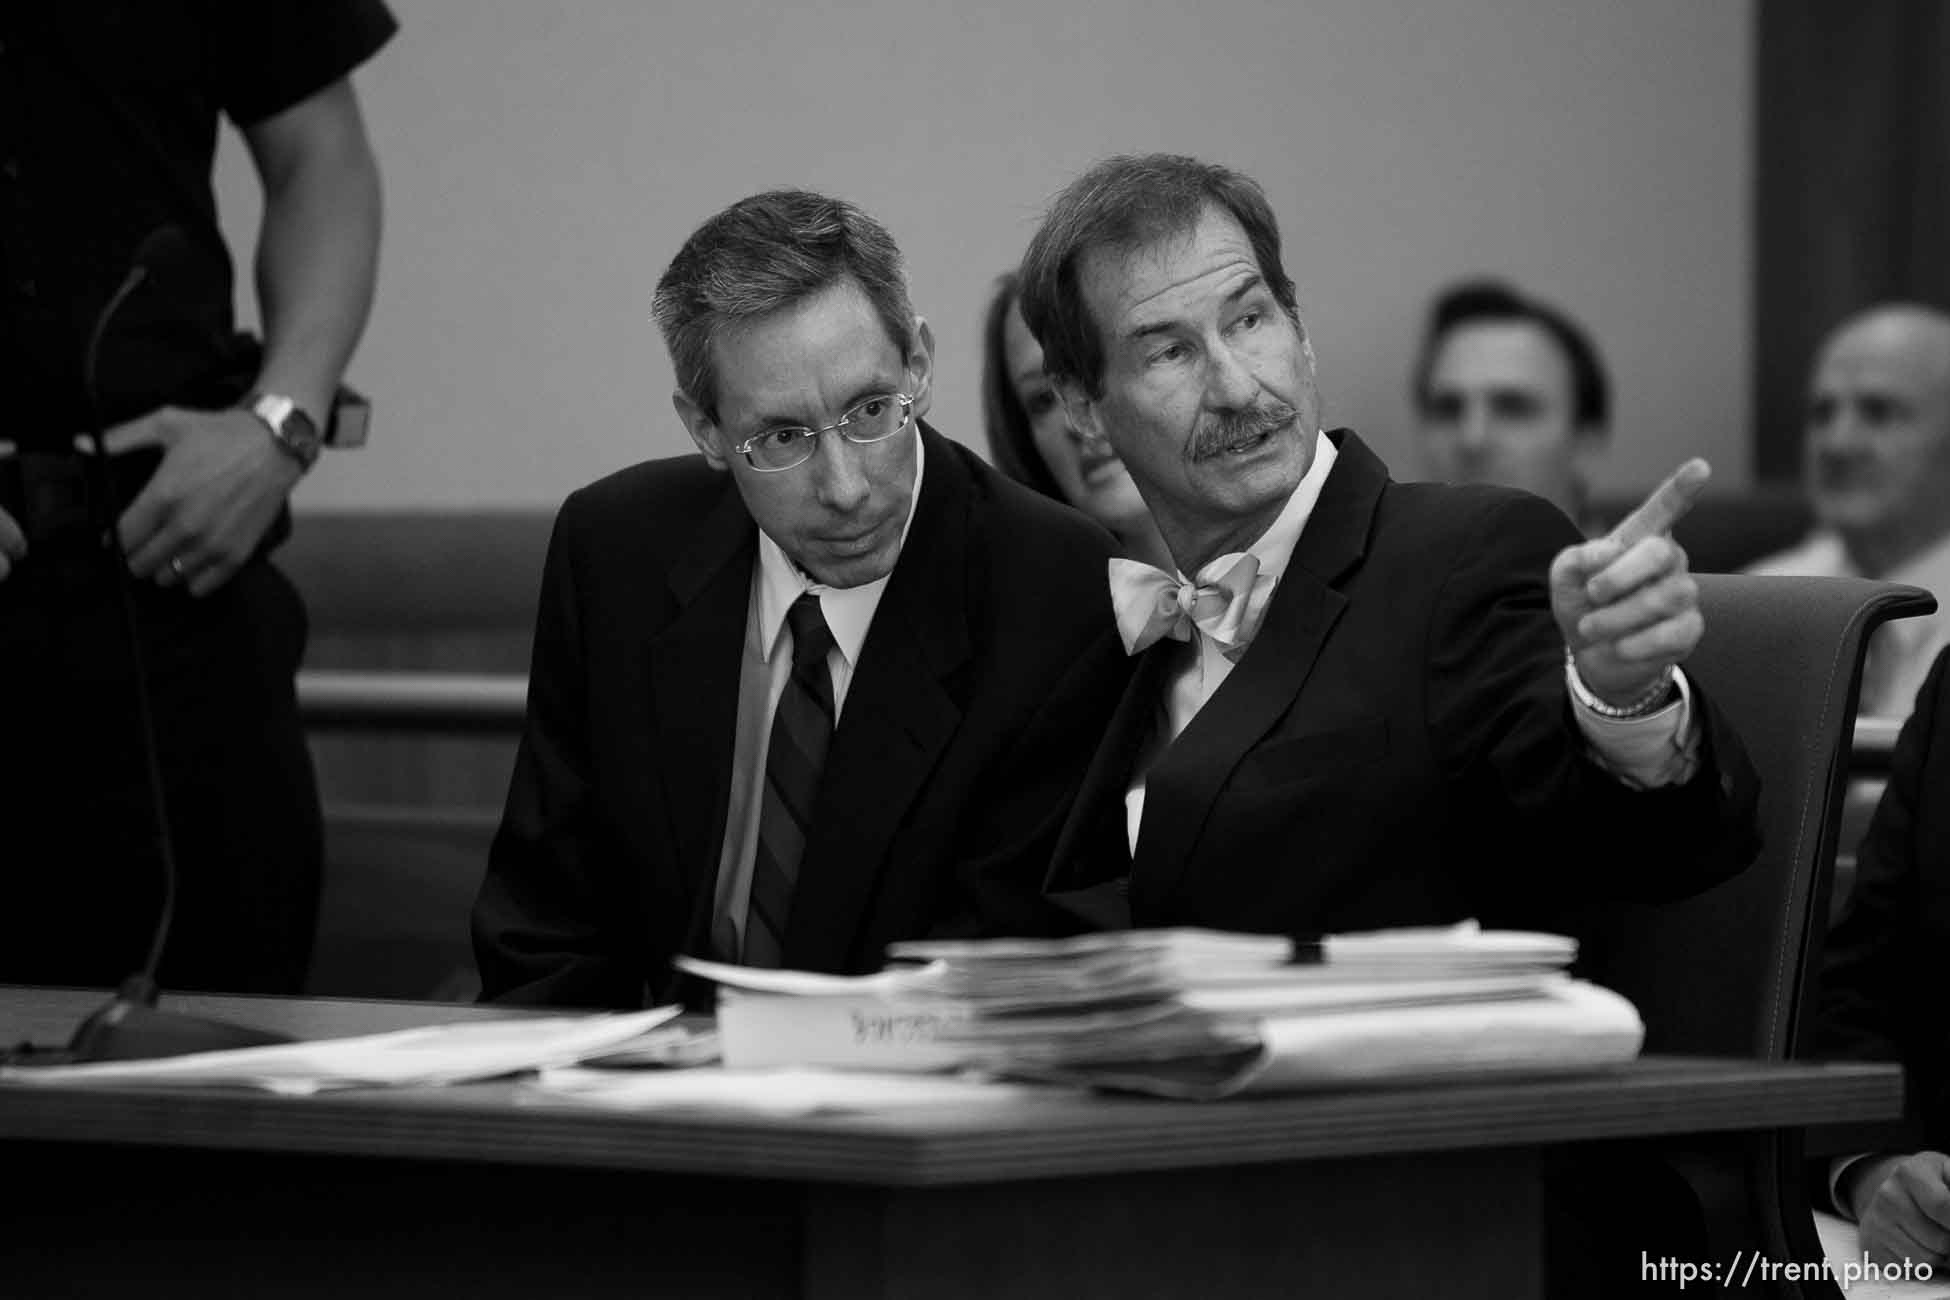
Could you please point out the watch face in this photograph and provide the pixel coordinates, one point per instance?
(298, 428)
(290, 426)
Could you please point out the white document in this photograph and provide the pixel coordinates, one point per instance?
(1465, 944)
(436, 1054)
(1860, 1279)
(1191, 1013)
(805, 984)
(1182, 942)
(862, 1032)
(885, 1021)
(1574, 1025)
(782, 1092)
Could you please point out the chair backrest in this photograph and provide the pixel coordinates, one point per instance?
(1727, 973)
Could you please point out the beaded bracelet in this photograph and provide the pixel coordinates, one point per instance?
(1651, 702)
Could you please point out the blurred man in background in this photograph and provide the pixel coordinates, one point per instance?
(1877, 466)
(1509, 390)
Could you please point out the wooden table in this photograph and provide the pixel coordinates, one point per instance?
(496, 1189)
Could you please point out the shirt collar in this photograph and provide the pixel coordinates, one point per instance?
(1274, 549)
(849, 610)
(1929, 567)
(1825, 553)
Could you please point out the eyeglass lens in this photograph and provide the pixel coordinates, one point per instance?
(872, 420)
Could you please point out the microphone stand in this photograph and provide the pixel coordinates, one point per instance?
(130, 1026)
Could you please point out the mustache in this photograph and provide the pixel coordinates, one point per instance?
(1233, 428)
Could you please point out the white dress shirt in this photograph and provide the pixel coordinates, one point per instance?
(1658, 749)
(764, 664)
(1901, 650)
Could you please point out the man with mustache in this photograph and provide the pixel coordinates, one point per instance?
(1877, 463)
(1371, 703)
(1508, 389)
(826, 685)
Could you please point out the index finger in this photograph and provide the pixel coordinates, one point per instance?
(1666, 506)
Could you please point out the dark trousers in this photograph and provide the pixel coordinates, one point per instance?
(1612, 1212)
(80, 871)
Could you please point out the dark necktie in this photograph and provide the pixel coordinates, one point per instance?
(801, 726)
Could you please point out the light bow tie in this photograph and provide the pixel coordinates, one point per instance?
(1224, 602)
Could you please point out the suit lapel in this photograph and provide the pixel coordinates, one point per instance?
(1182, 787)
(898, 717)
(694, 682)
(1087, 852)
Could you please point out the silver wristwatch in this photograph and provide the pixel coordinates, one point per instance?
(295, 432)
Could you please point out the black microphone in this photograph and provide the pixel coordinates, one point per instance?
(130, 1026)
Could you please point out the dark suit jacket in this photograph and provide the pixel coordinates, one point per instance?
(1396, 745)
(983, 684)
(1882, 995)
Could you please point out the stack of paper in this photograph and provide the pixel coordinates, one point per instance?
(788, 1091)
(769, 1019)
(1190, 1012)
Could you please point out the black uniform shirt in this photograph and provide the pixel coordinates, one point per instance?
(108, 134)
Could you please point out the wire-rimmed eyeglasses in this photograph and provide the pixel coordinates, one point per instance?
(785, 446)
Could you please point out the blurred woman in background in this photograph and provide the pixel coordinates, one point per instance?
(1032, 441)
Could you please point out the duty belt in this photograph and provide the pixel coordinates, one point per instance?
(57, 497)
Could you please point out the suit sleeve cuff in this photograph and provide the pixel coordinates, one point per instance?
(1837, 1167)
(1659, 749)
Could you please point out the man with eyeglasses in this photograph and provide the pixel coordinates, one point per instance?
(828, 684)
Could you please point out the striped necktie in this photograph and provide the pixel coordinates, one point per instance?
(801, 726)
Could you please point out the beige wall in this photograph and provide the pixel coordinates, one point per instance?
(544, 158)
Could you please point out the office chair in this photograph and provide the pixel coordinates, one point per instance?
(1731, 972)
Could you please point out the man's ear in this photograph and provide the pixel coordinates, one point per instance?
(1079, 409)
(703, 430)
(1306, 340)
(920, 364)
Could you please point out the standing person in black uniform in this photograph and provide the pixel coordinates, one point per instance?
(115, 314)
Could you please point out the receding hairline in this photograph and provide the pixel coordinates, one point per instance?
(1158, 238)
(1913, 331)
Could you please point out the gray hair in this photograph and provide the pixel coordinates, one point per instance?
(761, 255)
